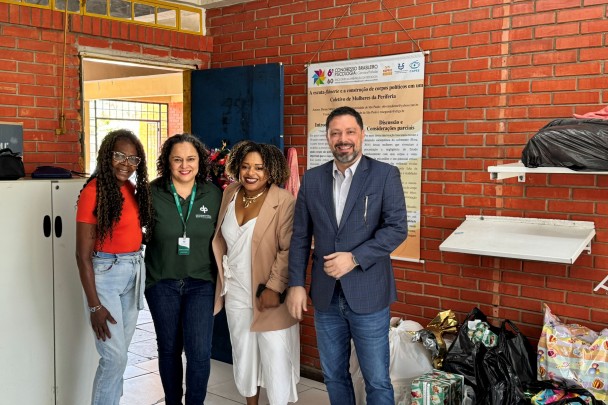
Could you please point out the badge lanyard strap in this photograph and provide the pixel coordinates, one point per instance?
(179, 206)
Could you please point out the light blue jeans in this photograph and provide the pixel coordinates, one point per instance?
(117, 278)
(369, 332)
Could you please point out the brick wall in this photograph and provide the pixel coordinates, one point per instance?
(176, 119)
(497, 72)
(34, 89)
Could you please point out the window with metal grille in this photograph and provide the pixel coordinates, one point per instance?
(149, 121)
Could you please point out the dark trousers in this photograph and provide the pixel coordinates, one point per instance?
(182, 311)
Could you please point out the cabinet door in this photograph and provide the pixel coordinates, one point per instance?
(75, 355)
(26, 293)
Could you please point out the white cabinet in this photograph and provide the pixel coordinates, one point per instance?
(47, 351)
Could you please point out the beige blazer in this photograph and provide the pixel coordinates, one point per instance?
(269, 254)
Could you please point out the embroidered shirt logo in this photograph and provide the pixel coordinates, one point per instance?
(204, 214)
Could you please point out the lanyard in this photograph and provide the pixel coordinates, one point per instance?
(179, 206)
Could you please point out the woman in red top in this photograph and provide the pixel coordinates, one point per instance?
(111, 214)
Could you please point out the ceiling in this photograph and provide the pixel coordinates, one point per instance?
(216, 3)
(118, 80)
(100, 69)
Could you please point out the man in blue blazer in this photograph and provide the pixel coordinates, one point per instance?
(354, 208)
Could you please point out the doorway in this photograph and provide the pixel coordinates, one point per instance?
(144, 98)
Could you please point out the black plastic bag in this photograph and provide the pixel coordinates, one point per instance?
(460, 357)
(521, 352)
(498, 381)
(11, 165)
(496, 374)
(577, 144)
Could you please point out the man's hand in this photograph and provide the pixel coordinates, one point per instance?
(99, 322)
(338, 264)
(297, 302)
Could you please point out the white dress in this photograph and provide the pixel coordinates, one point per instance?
(266, 359)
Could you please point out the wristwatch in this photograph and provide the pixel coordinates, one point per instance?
(355, 260)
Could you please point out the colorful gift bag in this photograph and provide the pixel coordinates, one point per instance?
(573, 353)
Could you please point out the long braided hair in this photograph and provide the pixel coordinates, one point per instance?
(109, 198)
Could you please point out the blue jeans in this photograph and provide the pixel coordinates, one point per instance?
(115, 281)
(335, 328)
(182, 311)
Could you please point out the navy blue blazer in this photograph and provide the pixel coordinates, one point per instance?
(374, 223)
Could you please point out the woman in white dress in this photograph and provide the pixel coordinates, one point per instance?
(251, 247)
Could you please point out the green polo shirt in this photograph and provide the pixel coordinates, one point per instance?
(162, 260)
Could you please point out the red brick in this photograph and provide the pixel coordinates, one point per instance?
(579, 41)
(536, 19)
(578, 14)
(578, 69)
(577, 97)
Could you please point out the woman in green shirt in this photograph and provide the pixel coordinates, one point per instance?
(180, 283)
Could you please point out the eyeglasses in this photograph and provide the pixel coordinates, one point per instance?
(121, 158)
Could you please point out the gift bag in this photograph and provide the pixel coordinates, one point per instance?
(11, 165)
(574, 354)
(408, 360)
(559, 393)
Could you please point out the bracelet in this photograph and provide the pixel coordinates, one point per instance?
(95, 308)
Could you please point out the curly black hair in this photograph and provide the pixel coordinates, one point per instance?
(163, 166)
(274, 160)
(109, 198)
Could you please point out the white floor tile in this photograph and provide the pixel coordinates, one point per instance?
(141, 335)
(226, 390)
(144, 317)
(143, 390)
(143, 387)
(151, 366)
(313, 384)
(220, 373)
(217, 400)
(147, 327)
(313, 396)
(134, 359)
(134, 371)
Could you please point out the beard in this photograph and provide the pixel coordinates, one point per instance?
(345, 158)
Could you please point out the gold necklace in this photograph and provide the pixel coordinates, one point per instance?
(247, 201)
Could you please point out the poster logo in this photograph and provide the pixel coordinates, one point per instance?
(412, 67)
(319, 77)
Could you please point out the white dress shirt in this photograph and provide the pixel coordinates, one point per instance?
(342, 184)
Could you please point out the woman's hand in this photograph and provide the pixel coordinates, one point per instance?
(268, 299)
(99, 322)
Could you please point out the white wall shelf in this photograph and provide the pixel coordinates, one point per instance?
(548, 240)
(518, 170)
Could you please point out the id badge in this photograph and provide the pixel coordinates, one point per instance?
(183, 246)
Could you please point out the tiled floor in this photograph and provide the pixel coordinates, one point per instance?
(142, 381)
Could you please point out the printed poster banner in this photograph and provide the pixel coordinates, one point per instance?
(388, 92)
